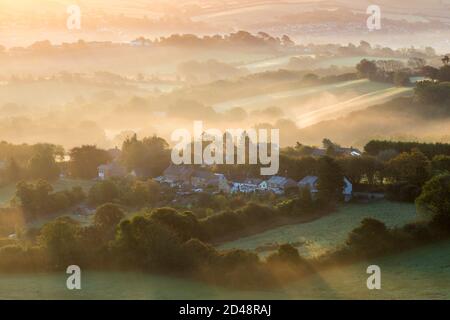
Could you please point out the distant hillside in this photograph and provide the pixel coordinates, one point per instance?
(400, 118)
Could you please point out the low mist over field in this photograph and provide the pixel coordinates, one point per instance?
(152, 66)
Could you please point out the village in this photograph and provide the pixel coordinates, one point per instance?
(186, 179)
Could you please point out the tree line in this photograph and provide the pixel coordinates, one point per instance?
(166, 241)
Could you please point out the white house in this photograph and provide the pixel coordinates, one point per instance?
(246, 186)
(243, 187)
(277, 184)
(310, 182)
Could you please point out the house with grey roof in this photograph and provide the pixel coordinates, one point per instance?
(277, 184)
(249, 185)
(189, 176)
(180, 174)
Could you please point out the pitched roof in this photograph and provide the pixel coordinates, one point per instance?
(254, 181)
(308, 180)
(282, 181)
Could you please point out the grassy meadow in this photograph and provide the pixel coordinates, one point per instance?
(418, 274)
(315, 237)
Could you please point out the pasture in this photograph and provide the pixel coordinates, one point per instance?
(318, 236)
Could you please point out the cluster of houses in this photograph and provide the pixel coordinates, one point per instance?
(187, 179)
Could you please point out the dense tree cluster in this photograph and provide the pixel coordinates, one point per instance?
(148, 157)
(38, 199)
(393, 71)
(128, 192)
(375, 147)
(162, 241)
(29, 162)
(84, 161)
(430, 92)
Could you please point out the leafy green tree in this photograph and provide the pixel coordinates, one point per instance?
(357, 168)
(386, 155)
(429, 92)
(43, 165)
(353, 168)
(85, 160)
(60, 240)
(77, 194)
(331, 151)
(286, 253)
(58, 201)
(143, 192)
(103, 192)
(185, 224)
(375, 147)
(440, 163)
(231, 258)
(367, 69)
(444, 73)
(401, 78)
(411, 167)
(37, 198)
(435, 196)
(296, 167)
(199, 254)
(370, 238)
(149, 156)
(144, 243)
(305, 201)
(13, 171)
(330, 183)
(25, 195)
(108, 216)
(430, 72)
(34, 198)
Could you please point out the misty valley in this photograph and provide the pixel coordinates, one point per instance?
(244, 150)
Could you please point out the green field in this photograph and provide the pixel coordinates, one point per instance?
(323, 234)
(422, 273)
